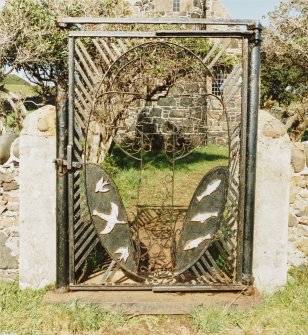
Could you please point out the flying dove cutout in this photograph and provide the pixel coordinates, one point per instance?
(202, 217)
(100, 186)
(123, 251)
(192, 244)
(212, 187)
(111, 219)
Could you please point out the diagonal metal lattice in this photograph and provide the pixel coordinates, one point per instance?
(98, 62)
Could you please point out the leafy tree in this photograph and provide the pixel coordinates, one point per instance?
(31, 42)
(285, 62)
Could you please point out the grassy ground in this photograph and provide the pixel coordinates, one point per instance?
(19, 86)
(156, 187)
(283, 313)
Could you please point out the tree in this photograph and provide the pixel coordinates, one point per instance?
(285, 62)
(31, 42)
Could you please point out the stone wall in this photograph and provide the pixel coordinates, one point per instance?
(298, 210)
(188, 8)
(9, 221)
(186, 106)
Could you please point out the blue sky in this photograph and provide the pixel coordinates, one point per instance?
(250, 9)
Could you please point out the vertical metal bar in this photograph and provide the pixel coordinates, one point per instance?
(69, 160)
(243, 133)
(252, 127)
(62, 209)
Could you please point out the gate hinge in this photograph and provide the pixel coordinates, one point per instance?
(62, 163)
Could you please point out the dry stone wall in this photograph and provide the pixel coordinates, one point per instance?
(9, 221)
(298, 210)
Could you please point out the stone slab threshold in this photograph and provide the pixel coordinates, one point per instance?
(148, 302)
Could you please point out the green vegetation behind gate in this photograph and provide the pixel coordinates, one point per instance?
(188, 173)
(283, 313)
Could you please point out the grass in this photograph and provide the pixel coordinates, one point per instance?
(21, 90)
(19, 86)
(284, 312)
(154, 188)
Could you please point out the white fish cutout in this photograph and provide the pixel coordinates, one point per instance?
(100, 186)
(123, 251)
(192, 244)
(212, 187)
(202, 217)
(112, 218)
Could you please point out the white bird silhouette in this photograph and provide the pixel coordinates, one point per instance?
(192, 244)
(202, 217)
(112, 218)
(124, 253)
(100, 186)
(212, 186)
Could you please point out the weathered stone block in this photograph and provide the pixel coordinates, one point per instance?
(297, 159)
(293, 220)
(9, 198)
(270, 257)
(168, 101)
(177, 113)
(38, 201)
(186, 101)
(10, 186)
(274, 129)
(303, 246)
(157, 112)
(7, 258)
(41, 123)
(6, 141)
(192, 88)
(303, 221)
(6, 177)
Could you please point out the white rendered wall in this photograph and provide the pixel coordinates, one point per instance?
(272, 204)
(38, 199)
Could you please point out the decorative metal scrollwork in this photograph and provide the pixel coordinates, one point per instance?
(160, 242)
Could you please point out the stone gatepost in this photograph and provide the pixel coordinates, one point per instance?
(37, 263)
(270, 256)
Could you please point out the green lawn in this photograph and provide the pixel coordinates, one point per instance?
(155, 188)
(22, 90)
(19, 86)
(283, 313)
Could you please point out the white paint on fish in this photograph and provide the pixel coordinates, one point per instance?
(100, 186)
(212, 187)
(202, 217)
(112, 218)
(192, 244)
(123, 251)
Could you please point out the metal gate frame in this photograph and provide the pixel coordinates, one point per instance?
(250, 33)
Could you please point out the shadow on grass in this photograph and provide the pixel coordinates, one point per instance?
(158, 159)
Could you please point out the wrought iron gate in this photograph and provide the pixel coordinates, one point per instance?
(148, 94)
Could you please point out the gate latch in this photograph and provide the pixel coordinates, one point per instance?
(69, 164)
(61, 163)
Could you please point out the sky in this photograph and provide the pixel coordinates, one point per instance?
(250, 9)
